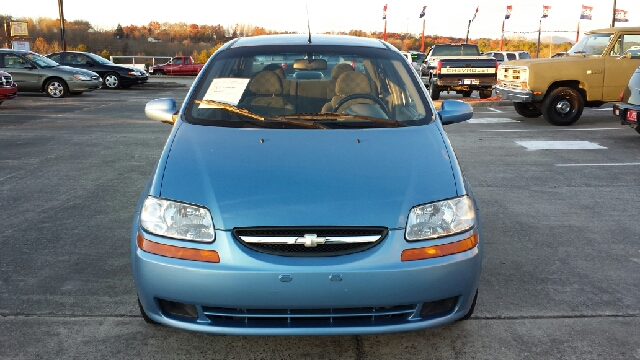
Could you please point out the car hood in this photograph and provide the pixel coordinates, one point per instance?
(267, 177)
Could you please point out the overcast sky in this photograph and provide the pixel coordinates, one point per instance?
(447, 18)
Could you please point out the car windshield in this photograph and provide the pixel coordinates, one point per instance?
(593, 44)
(312, 86)
(98, 59)
(41, 61)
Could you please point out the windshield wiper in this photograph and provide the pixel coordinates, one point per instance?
(246, 113)
(339, 117)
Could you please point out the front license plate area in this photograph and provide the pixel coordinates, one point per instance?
(632, 115)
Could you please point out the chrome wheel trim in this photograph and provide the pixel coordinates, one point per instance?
(111, 81)
(55, 89)
(563, 107)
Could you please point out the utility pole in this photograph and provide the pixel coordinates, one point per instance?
(64, 42)
(613, 18)
(468, 27)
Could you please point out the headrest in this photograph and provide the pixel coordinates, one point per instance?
(339, 70)
(266, 83)
(353, 82)
(276, 69)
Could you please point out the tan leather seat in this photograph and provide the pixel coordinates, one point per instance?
(335, 74)
(350, 83)
(267, 99)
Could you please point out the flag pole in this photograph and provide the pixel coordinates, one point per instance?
(384, 34)
(422, 46)
(539, 32)
(502, 38)
(578, 33)
(468, 27)
(613, 19)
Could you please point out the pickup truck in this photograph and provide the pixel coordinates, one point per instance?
(459, 68)
(179, 65)
(595, 71)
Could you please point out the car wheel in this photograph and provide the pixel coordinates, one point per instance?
(146, 317)
(485, 94)
(528, 110)
(467, 93)
(158, 72)
(563, 106)
(56, 88)
(112, 81)
(434, 91)
(467, 316)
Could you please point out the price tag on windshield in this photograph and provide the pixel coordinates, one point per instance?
(228, 90)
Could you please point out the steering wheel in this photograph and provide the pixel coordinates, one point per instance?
(378, 102)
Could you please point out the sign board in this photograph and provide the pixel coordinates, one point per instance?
(19, 29)
(21, 45)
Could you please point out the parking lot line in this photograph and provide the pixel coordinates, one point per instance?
(560, 145)
(612, 164)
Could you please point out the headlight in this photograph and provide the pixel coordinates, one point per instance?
(176, 220)
(440, 218)
(81, 77)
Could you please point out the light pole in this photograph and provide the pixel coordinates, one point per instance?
(64, 42)
(613, 18)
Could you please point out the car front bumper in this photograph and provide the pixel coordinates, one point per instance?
(244, 294)
(8, 93)
(133, 80)
(514, 95)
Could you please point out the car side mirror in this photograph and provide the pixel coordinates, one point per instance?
(455, 111)
(164, 110)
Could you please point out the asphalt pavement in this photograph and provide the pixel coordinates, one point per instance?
(559, 207)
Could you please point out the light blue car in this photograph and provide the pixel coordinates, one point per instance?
(320, 201)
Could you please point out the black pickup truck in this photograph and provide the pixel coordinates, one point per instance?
(459, 68)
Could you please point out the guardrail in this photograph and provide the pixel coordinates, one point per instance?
(141, 65)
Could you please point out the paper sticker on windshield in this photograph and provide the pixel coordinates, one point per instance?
(228, 90)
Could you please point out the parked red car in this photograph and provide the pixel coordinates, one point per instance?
(179, 65)
(8, 89)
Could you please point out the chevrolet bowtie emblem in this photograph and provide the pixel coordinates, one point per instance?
(310, 240)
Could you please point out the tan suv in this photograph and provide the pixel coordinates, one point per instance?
(595, 71)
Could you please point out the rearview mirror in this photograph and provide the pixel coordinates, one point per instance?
(455, 111)
(310, 64)
(164, 110)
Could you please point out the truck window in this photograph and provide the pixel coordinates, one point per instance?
(187, 61)
(511, 56)
(592, 44)
(630, 43)
(456, 50)
(525, 55)
(177, 61)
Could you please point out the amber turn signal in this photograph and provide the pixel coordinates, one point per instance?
(177, 252)
(440, 250)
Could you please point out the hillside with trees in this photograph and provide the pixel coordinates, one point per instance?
(200, 41)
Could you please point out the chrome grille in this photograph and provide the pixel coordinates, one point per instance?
(301, 318)
(310, 241)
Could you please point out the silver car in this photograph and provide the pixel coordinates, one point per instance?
(36, 73)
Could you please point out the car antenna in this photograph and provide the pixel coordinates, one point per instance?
(308, 25)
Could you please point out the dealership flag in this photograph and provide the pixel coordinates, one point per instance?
(508, 14)
(586, 12)
(422, 13)
(545, 11)
(475, 13)
(621, 16)
(384, 12)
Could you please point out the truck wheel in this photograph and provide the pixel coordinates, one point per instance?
(158, 72)
(563, 106)
(528, 110)
(467, 93)
(112, 81)
(434, 91)
(56, 88)
(485, 94)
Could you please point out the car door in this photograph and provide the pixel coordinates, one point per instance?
(24, 74)
(618, 68)
(175, 67)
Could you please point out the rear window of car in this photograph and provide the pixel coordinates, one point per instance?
(511, 56)
(524, 55)
(498, 56)
(237, 77)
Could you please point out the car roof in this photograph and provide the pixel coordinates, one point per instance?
(303, 39)
(615, 29)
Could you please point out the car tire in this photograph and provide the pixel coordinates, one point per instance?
(563, 106)
(112, 81)
(434, 91)
(485, 94)
(467, 316)
(528, 110)
(467, 93)
(146, 317)
(56, 88)
(158, 72)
